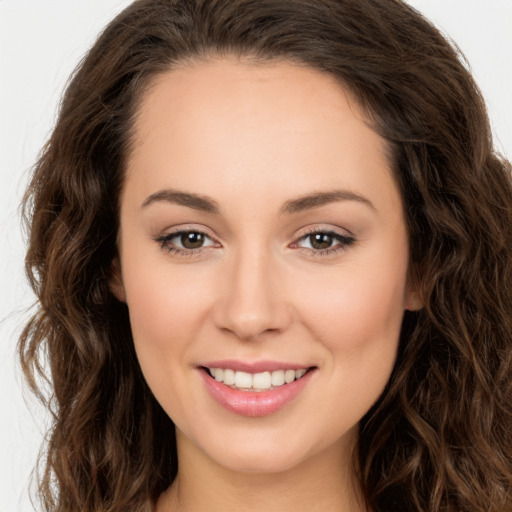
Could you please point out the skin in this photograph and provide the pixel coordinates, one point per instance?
(252, 138)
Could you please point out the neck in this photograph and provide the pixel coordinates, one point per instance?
(325, 482)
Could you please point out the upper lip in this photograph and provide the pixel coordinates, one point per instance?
(253, 366)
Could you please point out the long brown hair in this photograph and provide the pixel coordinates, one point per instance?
(440, 436)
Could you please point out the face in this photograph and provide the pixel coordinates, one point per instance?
(261, 233)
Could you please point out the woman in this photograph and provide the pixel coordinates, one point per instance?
(272, 242)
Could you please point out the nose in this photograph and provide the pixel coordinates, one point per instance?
(252, 300)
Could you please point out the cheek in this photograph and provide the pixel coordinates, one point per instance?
(357, 319)
(358, 311)
(167, 306)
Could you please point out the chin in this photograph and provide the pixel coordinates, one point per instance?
(270, 452)
(254, 461)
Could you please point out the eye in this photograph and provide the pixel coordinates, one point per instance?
(324, 242)
(191, 240)
(319, 240)
(185, 241)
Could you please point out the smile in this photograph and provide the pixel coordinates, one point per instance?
(257, 389)
(257, 382)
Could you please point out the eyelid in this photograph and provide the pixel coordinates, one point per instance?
(344, 237)
(324, 228)
(164, 239)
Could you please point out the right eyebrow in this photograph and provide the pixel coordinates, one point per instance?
(194, 201)
(317, 199)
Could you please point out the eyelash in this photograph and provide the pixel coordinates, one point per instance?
(344, 242)
(165, 242)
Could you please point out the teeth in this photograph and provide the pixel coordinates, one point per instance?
(229, 377)
(289, 376)
(300, 373)
(277, 378)
(262, 380)
(257, 381)
(243, 380)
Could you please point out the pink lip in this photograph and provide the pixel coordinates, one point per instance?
(254, 403)
(253, 367)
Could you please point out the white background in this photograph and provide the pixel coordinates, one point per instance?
(41, 41)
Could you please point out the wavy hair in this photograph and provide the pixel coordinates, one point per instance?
(440, 436)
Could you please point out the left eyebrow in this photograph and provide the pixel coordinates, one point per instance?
(317, 199)
(194, 201)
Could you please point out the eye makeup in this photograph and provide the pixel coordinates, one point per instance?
(186, 242)
(315, 242)
(323, 242)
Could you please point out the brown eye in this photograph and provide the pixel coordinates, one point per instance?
(321, 240)
(192, 240)
(185, 242)
(324, 242)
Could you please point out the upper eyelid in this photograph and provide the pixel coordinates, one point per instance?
(174, 234)
(164, 238)
(299, 234)
(170, 232)
(308, 231)
(344, 237)
(311, 230)
(341, 238)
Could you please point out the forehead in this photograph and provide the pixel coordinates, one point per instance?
(221, 124)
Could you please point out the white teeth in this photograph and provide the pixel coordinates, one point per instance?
(300, 373)
(258, 381)
(289, 376)
(262, 380)
(278, 378)
(243, 380)
(229, 377)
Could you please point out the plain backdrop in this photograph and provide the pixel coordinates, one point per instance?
(40, 44)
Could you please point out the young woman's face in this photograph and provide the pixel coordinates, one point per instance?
(261, 233)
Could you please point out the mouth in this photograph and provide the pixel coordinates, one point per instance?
(256, 382)
(257, 388)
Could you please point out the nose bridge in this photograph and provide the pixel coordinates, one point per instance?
(251, 303)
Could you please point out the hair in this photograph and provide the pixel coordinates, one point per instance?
(440, 436)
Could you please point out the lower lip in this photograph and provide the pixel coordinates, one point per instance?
(254, 403)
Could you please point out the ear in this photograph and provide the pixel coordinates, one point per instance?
(115, 282)
(413, 299)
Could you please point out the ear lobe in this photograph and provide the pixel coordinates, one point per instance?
(413, 301)
(115, 282)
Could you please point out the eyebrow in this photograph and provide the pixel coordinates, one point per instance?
(194, 201)
(317, 199)
(303, 203)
